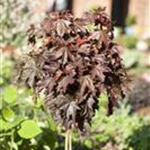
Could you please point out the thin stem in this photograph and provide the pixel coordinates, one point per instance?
(66, 140)
(12, 140)
(70, 139)
(5, 134)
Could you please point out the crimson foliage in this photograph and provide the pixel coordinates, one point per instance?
(73, 60)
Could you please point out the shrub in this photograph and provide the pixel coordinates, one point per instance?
(122, 130)
(72, 64)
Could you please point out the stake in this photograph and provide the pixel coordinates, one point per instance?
(68, 140)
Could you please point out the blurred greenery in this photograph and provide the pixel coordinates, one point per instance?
(128, 41)
(14, 18)
(24, 124)
(130, 20)
(119, 129)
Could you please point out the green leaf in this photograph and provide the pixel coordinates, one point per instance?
(5, 126)
(29, 129)
(8, 114)
(103, 103)
(51, 123)
(10, 94)
(48, 137)
(103, 99)
(90, 27)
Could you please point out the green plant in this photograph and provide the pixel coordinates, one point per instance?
(11, 21)
(131, 58)
(15, 17)
(122, 129)
(5, 69)
(128, 41)
(23, 123)
(139, 140)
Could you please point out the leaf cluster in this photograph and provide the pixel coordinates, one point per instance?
(73, 60)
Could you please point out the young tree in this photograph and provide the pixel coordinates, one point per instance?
(73, 60)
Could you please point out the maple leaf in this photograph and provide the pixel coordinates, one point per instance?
(95, 35)
(64, 54)
(90, 102)
(104, 38)
(63, 84)
(79, 26)
(28, 73)
(62, 27)
(47, 84)
(69, 69)
(71, 110)
(58, 74)
(85, 49)
(98, 72)
(86, 84)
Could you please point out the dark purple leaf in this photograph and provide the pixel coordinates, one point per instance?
(63, 84)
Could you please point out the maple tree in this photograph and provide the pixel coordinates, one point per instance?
(73, 60)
